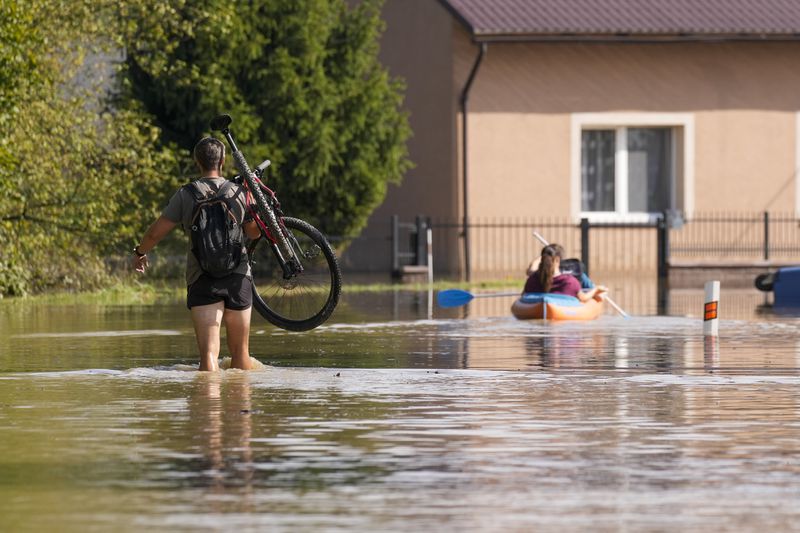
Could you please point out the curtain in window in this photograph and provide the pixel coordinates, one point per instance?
(649, 169)
(598, 170)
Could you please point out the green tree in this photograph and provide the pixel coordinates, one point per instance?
(17, 66)
(70, 169)
(301, 79)
(80, 179)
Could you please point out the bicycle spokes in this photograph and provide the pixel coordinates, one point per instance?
(305, 299)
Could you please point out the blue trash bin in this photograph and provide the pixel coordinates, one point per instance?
(787, 287)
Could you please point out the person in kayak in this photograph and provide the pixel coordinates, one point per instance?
(548, 278)
(568, 266)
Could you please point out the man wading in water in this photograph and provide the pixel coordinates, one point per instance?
(213, 211)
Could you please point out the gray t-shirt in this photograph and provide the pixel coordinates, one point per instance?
(181, 206)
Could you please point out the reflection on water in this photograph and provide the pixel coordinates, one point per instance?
(388, 419)
(222, 413)
(641, 299)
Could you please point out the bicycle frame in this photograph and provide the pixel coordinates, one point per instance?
(302, 278)
(293, 266)
(268, 222)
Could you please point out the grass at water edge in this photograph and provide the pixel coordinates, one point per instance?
(152, 292)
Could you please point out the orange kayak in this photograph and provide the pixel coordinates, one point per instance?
(555, 307)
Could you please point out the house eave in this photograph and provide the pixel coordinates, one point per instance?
(499, 37)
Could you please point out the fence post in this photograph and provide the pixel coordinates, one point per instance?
(766, 235)
(662, 230)
(395, 243)
(663, 245)
(585, 243)
(421, 248)
(429, 249)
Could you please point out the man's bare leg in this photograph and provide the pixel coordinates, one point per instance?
(237, 329)
(207, 320)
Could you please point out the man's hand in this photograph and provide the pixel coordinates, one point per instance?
(251, 230)
(140, 263)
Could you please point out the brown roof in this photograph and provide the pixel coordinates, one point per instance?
(763, 19)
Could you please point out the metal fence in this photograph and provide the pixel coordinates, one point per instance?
(501, 248)
(737, 236)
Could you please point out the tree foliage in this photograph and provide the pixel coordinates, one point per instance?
(301, 79)
(88, 156)
(70, 169)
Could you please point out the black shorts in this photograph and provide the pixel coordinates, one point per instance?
(235, 290)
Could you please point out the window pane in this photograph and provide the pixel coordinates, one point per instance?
(597, 170)
(649, 169)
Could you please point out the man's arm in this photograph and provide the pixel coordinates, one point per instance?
(157, 231)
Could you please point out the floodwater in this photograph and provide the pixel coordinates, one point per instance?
(396, 415)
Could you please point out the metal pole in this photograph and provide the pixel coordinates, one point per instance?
(395, 244)
(766, 235)
(585, 243)
(420, 240)
(662, 231)
(429, 242)
(663, 245)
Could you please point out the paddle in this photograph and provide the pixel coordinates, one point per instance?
(457, 297)
(613, 304)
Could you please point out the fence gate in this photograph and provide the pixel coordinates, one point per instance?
(411, 249)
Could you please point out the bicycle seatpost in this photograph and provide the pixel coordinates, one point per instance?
(229, 137)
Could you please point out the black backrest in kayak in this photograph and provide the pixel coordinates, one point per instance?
(573, 266)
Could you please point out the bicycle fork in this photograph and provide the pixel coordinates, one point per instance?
(291, 266)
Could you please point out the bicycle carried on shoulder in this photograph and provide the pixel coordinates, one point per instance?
(296, 277)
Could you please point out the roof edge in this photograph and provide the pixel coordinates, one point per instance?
(631, 38)
(499, 37)
(454, 12)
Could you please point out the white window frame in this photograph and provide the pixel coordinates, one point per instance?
(620, 122)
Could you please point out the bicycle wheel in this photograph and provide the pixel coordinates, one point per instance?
(307, 299)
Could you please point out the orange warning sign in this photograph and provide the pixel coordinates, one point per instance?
(711, 310)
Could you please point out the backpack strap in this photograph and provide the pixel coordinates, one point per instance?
(193, 188)
(200, 196)
(223, 189)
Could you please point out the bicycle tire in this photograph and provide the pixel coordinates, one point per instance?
(765, 282)
(306, 300)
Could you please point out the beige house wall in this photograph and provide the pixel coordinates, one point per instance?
(741, 101)
(743, 98)
(417, 46)
(746, 160)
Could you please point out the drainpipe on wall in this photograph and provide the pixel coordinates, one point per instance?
(464, 99)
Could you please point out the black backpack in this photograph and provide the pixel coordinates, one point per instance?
(572, 266)
(216, 234)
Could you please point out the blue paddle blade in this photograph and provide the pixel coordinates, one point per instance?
(453, 298)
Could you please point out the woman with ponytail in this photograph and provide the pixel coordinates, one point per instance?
(549, 279)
